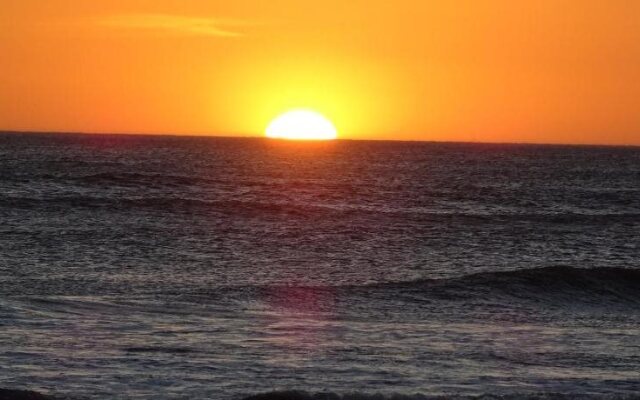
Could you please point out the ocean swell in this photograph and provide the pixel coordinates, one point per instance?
(549, 283)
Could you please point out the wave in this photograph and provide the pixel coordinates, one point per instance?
(300, 395)
(555, 286)
(558, 287)
(548, 288)
(547, 284)
(537, 277)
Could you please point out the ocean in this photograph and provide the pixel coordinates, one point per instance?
(149, 267)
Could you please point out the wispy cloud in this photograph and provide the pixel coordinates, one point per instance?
(175, 24)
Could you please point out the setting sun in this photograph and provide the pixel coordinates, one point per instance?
(334, 199)
(301, 125)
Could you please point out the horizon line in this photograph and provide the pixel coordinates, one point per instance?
(242, 136)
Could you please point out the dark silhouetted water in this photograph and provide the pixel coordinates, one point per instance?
(174, 268)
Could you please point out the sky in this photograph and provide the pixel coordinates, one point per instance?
(544, 71)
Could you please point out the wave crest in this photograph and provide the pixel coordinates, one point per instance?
(548, 284)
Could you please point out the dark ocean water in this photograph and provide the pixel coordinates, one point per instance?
(168, 268)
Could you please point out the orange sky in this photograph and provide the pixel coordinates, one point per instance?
(553, 71)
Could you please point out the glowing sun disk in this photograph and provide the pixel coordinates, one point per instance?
(301, 125)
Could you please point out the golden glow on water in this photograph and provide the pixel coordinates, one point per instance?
(301, 125)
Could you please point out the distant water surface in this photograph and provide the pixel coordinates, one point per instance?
(165, 267)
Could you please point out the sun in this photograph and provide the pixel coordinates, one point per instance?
(301, 125)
